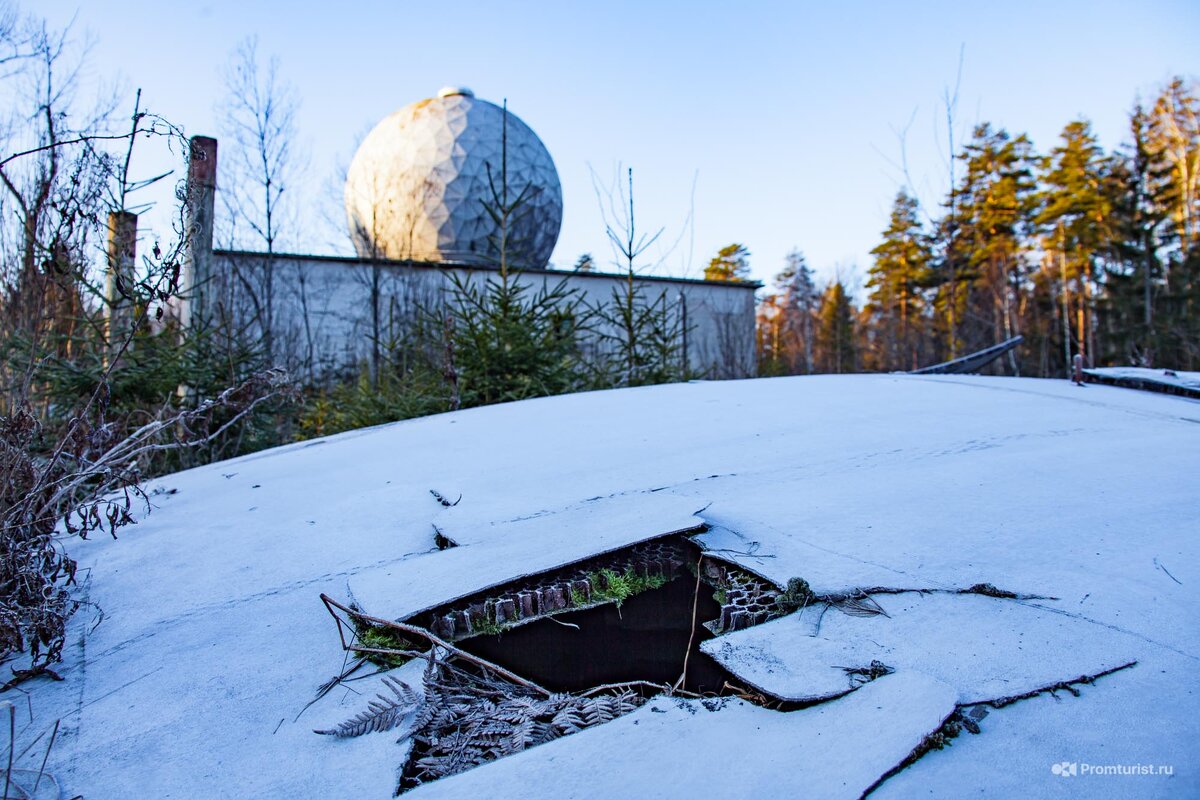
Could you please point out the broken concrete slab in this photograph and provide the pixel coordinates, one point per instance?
(1020, 744)
(723, 748)
(174, 708)
(1034, 486)
(764, 551)
(519, 548)
(986, 648)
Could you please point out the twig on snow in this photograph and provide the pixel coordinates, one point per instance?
(413, 630)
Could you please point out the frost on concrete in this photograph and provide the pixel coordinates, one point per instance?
(520, 548)
(1162, 380)
(214, 640)
(724, 748)
(986, 648)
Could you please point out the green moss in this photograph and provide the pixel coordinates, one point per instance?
(721, 596)
(621, 586)
(641, 584)
(797, 595)
(375, 638)
(487, 627)
(617, 587)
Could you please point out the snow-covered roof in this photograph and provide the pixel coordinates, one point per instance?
(1168, 380)
(197, 679)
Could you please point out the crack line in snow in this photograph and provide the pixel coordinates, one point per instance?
(952, 725)
(1117, 628)
(984, 589)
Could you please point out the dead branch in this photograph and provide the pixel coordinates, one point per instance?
(413, 630)
(1067, 686)
(609, 687)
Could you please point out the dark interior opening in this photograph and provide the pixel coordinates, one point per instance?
(643, 640)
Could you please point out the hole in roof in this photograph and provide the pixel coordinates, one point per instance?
(636, 614)
(550, 654)
(645, 639)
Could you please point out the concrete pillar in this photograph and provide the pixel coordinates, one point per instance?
(122, 255)
(201, 201)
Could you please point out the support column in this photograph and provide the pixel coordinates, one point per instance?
(201, 202)
(119, 280)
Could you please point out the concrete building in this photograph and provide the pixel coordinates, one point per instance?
(425, 198)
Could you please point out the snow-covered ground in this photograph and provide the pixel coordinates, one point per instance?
(196, 680)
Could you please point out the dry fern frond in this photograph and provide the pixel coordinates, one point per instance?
(567, 721)
(383, 713)
(861, 606)
(472, 717)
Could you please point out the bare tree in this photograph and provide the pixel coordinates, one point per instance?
(260, 114)
(71, 456)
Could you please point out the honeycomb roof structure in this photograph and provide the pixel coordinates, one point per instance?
(426, 185)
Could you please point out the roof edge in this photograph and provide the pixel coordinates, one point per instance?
(441, 265)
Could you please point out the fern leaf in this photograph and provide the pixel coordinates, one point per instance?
(382, 714)
(864, 606)
(521, 737)
(568, 721)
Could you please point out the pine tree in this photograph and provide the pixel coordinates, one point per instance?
(796, 298)
(1174, 141)
(1080, 252)
(896, 304)
(1075, 220)
(996, 201)
(835, 349)
(585, 263)
(643, 337)
(505, 339)
(731, 263)
(511, 341)
(948, 274)
(1174, 147)
(1133, 270)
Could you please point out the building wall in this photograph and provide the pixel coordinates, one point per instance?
(320, 310)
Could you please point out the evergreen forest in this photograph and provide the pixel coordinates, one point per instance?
(1077, 250)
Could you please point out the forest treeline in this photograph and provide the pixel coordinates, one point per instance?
(1078, 250)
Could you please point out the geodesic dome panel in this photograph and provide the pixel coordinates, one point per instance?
(419, 186)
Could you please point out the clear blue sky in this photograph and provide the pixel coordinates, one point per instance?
(786, 111)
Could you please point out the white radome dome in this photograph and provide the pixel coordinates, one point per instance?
(418, 187)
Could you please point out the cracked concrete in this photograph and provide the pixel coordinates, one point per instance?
(984, 647)
(214, 638)
(680, 748)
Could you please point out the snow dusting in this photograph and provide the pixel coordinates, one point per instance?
(193, 669)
